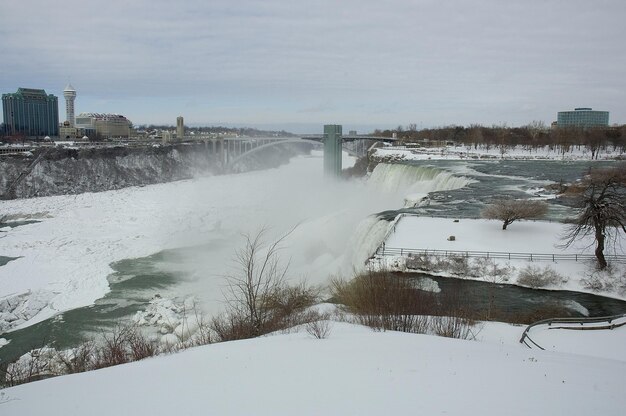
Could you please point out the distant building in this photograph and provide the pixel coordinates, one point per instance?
(582, 117)
(70, 95)
(31, 112)
(69, 132)
(180, 128)
(104, 126)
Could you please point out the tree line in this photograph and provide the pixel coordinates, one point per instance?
(241, 131)
(533, 135)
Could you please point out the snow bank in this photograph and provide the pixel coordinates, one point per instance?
(354, 371)
(594, 343)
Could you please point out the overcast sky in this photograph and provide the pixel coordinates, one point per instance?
(301, 64)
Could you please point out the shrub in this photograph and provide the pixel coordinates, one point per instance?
(229, 327)
(458, 265)
(535, 277)
(124, 344)
(608, 279)
(421, 262)
(451, 327)
(79, 359)
(283, 307)
(454, 316)
(388, 301)
(319, 327)
(33, 366)
(384, 301)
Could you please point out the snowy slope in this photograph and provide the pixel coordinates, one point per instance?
(354, 372)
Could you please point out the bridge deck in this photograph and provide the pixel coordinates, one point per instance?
(350, 137)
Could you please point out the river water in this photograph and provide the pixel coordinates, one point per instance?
(335, 232)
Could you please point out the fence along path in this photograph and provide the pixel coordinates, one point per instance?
(604, 322)
(384, 250)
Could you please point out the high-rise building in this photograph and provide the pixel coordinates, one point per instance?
(31, 112)
(180, 128)
(582, 117)
(70, 95)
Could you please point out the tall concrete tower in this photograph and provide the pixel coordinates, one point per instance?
(332, 150)
(180, 128)
(70, 95)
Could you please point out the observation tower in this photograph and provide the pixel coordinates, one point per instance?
(70, 95)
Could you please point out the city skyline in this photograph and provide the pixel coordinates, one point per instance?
(362, 64)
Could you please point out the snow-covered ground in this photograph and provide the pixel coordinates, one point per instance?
(595, 341)
(536, 237)
(494, 152)
(355, 371)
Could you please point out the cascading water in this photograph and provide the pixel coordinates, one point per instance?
(408, 182)
(414, 182)
(368, 235)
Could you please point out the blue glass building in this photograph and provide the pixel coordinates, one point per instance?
(582, 117)
(31, 112)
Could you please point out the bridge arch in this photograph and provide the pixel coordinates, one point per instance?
(253, 150)
(250, 149)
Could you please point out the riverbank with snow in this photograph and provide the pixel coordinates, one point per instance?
(475, 238)
(459, 152)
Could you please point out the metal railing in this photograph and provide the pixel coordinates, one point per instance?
(578, 324)
(401, 251)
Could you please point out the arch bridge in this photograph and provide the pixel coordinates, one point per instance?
(233, 150)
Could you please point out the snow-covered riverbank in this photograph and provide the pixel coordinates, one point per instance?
(521, 238)
(459, 152)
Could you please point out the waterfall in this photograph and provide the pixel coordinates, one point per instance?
(398, 177)
(408, 182)
(414, 182)
(368, 235)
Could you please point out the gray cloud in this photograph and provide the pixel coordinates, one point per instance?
(429, 62)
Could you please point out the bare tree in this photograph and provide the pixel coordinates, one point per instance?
(595, 139)
(601, 199)
(510, 210)
(258, 277)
